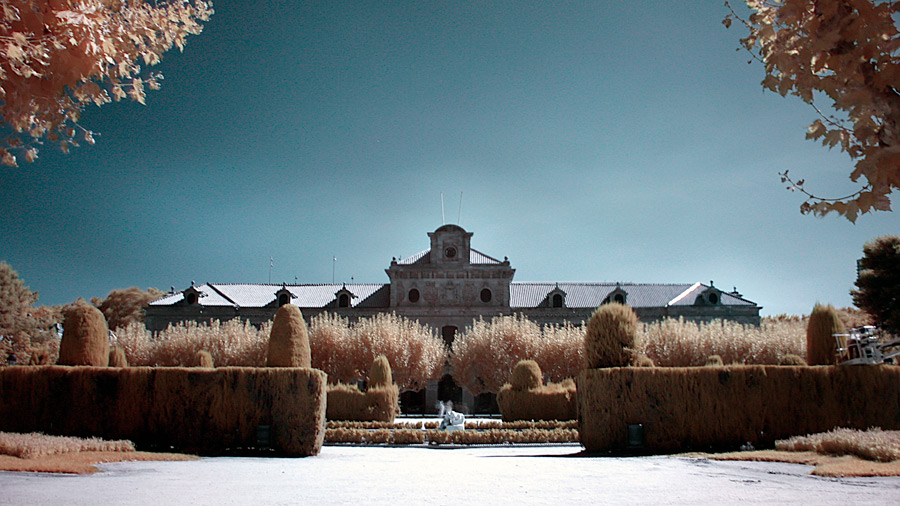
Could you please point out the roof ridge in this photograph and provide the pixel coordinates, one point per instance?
(222, 294)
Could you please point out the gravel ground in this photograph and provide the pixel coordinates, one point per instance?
(552, 474)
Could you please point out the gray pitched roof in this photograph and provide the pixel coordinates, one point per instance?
(588, 295)
(475, 258)
(304, 295)
(522, 294)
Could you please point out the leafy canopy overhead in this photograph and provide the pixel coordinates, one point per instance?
(57, 56)
(845, 52)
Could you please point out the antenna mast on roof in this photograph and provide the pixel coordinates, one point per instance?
(459, 211)
(442, 209)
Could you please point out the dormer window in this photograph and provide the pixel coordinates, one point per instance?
(283, 296)
(343, 297)
(618, 295)
(556, 298)
(192, 295)
(712, 296)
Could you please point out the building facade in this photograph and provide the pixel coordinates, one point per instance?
(447, 286)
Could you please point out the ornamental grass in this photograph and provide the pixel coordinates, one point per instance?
(873, 444)
(35, 444)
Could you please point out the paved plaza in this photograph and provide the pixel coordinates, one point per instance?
(550, 474)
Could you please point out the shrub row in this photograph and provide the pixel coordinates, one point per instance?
(725, 407)
(475, 425)
(463, 437)
(203, 411)
(501, 436)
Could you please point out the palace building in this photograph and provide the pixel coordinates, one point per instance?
(447, 286)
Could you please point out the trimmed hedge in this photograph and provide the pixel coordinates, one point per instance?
(377, 404)
(716, 408)
(202, 411)
(555, 401)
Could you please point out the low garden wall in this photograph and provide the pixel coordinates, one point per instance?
(701, 408)
(203, 411)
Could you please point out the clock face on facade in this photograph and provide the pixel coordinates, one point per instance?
(450, 252)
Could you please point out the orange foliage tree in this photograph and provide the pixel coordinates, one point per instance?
(57, 56)
(345, 351)
(484, 355)
(24, 329)
(845, 52)
(124, 306)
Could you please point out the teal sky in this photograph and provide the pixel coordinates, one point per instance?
(591, 141)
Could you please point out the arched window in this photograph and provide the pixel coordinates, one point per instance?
(413, 295)
(192, 298)
(619, 298)
(344, 300)
(557, 300)
(448, 333)
(486, 295)
(283, 299)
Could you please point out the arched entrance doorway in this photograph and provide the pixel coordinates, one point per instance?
(448, 333)
(448, 390)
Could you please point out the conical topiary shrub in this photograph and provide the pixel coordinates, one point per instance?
(609, 339)
(85, 339)
(117, 357)
(821, 347)
(792, 360)
(380, 373)
(643, 361)
(526, 376)
(288, 341)
(714, 361)
(203, 359)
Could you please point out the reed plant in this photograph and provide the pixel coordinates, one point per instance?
(232, 343)
(680, 343)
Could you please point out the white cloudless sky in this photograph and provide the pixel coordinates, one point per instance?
(591, 141)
